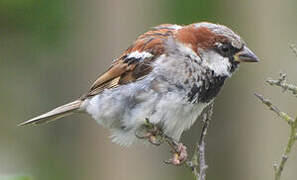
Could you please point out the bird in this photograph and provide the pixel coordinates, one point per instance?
(168, 76)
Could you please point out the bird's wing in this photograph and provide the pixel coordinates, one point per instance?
(135, 62)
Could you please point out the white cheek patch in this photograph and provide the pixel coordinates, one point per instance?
(219, 64)
(139, 55)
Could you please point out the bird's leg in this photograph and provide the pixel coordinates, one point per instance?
(179, 152)
(152, 132)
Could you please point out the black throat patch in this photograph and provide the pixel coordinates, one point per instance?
(208, 89)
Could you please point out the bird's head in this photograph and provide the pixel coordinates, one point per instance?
(219, 48)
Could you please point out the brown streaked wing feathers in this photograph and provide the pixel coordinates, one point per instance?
(121, 72)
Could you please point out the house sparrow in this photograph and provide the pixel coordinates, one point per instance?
(167, 76)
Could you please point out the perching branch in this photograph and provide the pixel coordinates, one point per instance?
(281, 82)
(198, 162)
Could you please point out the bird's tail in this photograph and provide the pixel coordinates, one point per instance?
(55, 114)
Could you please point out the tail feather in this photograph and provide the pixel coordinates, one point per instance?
(55, 114)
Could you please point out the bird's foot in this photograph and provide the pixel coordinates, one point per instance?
(179, 152)
(154, 134)
(151, 132)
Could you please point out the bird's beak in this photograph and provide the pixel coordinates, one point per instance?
(246, 55)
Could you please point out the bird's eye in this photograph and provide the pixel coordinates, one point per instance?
(225, 49)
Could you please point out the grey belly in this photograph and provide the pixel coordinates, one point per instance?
(123, 110)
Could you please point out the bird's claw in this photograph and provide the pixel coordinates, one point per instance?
(154, 134)
(180, 155)
(151, 132)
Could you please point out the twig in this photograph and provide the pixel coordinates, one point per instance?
(197, 163)
(292, 139)
(193, 163)
(201, 146)
(275, 109)
(281, 82)
(294, 48)
(293, 129)
(199, 169)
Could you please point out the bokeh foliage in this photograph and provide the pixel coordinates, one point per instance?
(43, 21)
(187, 12)
(15, 178)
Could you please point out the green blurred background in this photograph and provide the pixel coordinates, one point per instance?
(51, 51)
